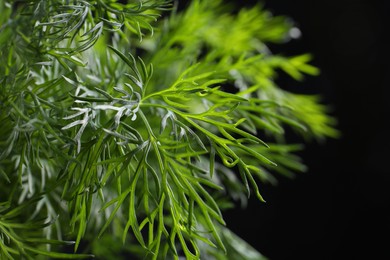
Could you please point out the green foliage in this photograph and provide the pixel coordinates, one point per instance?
(142, 121)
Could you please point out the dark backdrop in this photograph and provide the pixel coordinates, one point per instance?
(339, 208)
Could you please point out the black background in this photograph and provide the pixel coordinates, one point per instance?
(339, 208)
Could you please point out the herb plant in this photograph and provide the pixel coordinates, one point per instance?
(127, 127)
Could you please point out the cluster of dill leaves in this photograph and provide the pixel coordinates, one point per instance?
(128, 126)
